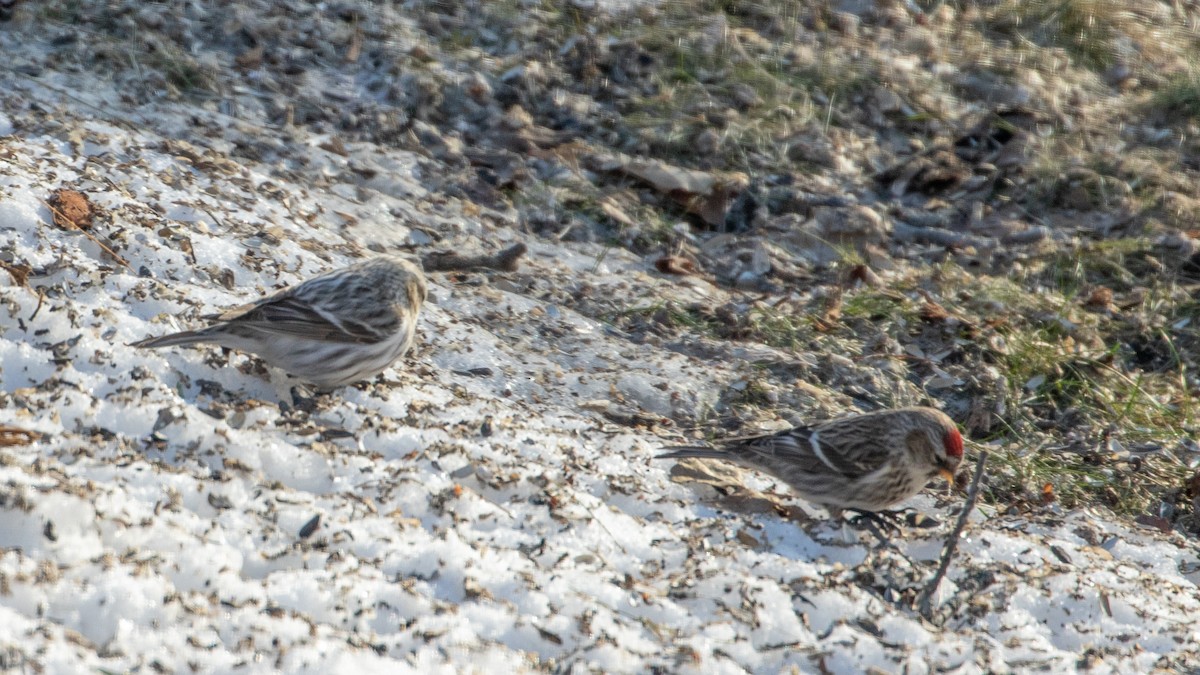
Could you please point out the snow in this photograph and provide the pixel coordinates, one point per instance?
(469, 520)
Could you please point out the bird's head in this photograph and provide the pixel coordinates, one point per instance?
(935, 442)
(406, 280)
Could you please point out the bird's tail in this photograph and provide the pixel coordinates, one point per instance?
(187, 337)
(686, 451)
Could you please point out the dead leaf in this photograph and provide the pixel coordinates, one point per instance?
(334, 145)
(748, 539)
(18, 271)
(932, 311)
(1048, 495)
(832, 311)
(1061, 554)
(1157, 522)
(311, 526)
(1193, 485)
(250, 59)
(707, 195)
(356, 43)
(71, 210)
(185, 245)
(827, 314)
(1100, 299)
(615, 213)
(866, 275)
(674, 264)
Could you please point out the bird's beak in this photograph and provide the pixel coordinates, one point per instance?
(947, 474)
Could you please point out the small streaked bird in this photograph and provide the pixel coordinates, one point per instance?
(863, 463)
(334, 329)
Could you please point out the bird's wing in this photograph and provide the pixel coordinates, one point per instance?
(284, 313)
(808, 450)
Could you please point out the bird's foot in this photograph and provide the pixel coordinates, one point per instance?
(881, 524)
(885, 520)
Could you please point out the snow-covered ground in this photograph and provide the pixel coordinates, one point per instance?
(478, 510)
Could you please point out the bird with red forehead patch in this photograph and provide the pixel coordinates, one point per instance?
(865, 462)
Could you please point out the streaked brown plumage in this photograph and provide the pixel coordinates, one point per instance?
(864, 462)
(334, 329)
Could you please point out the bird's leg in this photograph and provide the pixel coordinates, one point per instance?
(870, 526)
(866, 520)
(895, 520)
(873, 520)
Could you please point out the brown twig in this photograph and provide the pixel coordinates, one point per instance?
(445, 261)
(41, 299)
(14, 436)
(926, 601)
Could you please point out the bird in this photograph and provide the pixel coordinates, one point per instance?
(332, 330)
(863, 463)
